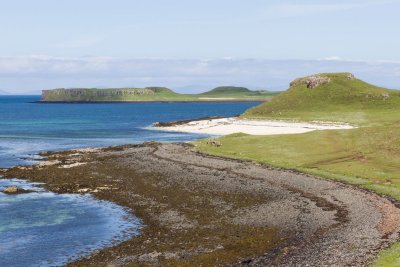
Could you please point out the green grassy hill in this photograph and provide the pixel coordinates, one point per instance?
(368, 156)
(228, 90)
(331, 97)
(233, 91)
(152, 94)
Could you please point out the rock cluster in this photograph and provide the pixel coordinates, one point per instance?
(213, 142)
(351, 77)
(385, 96)
(11, 190)
(311, 81)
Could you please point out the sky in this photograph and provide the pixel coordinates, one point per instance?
(194, 45)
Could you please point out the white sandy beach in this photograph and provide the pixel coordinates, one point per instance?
(227, 126)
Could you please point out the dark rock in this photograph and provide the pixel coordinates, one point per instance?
(175, 123)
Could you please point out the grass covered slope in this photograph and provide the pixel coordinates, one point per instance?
(233, 91)
(227, 90)
(368, 156)
(330, 97)
(151, 94)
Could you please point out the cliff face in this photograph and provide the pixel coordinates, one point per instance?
(82, 94)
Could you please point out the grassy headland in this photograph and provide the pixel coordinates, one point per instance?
(152, 94)
(368, 156)
(344, 98)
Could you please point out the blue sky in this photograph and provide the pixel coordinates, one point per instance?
(67, 43)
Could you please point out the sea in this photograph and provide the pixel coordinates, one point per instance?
(47, 229)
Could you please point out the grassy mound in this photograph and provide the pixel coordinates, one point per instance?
(227, 90)
(329, 96)
(233, 91)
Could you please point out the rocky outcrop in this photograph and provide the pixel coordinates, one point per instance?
(316, 80)
(13, 190)
(311, 81)
(182, 122)
(214, 142)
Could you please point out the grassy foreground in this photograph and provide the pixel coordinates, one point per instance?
(368, 156)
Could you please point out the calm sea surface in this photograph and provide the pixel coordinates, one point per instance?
(47, 229)
(27, 128)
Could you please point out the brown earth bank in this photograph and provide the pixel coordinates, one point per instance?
(199, 210)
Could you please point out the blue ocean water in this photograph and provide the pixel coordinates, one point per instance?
(27, 128)
(47, 229)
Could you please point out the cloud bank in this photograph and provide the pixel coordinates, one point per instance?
(34, 73)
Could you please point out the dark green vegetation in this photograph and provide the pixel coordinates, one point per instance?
(152, 94)
(368, 156)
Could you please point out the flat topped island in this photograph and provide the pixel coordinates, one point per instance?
(156, 94)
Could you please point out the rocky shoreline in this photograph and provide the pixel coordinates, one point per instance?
(199, 209)
(182, 122)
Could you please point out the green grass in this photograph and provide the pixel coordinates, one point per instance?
(389, 257)
(228, 90)
(233, 91)
(152, 94)
(368, 156)
(341, 99)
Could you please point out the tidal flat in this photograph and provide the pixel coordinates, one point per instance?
(204, 210)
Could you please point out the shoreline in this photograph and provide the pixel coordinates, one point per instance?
(231, 125)
(152, 101)
(175, 182)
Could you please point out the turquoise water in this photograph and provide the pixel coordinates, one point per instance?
(47, 229)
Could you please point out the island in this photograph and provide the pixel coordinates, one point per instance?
(153, 94)
(325, 196)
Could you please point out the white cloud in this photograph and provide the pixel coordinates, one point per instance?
(332, 58)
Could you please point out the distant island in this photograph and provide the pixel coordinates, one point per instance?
(4, 92)
(83, 95)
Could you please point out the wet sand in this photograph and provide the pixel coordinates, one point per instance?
(199, 209)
